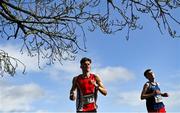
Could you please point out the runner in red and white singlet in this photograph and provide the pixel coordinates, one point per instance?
(85, 87)
(86, 93)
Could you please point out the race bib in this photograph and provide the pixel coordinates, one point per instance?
(87, 99)
(158, 98)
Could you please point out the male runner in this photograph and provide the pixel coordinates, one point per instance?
(85, 87)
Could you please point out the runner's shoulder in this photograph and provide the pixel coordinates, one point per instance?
(97, 77)
(75, 78)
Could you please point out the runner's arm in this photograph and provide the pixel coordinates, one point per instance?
(144, 94)
(73, 88)
(100, 86)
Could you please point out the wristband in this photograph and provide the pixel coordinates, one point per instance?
(97, 86)
(71, 93)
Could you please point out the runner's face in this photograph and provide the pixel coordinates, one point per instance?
(151, 76)
(86, 66)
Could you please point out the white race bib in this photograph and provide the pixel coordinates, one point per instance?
(87, 99)
(158, 98)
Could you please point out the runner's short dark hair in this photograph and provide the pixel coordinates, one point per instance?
(84, 59)
(146, 71)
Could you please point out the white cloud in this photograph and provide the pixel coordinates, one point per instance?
(57, 71)
(107, 74)
(15, 98)
(32, 63)
(130, 98)
(63, 72)
(110, 74)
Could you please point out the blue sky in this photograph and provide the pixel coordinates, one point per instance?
(119, 63)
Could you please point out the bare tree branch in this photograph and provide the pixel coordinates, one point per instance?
(54, 30)
(9, 64)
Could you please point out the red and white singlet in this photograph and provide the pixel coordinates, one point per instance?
(86, 93)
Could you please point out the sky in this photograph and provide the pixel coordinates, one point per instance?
(120, 63)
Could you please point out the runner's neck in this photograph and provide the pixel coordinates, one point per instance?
(153, 82)
(86, 75)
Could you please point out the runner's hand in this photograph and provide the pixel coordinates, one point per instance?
(165, 94)
(94, 82)
(72, 97)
